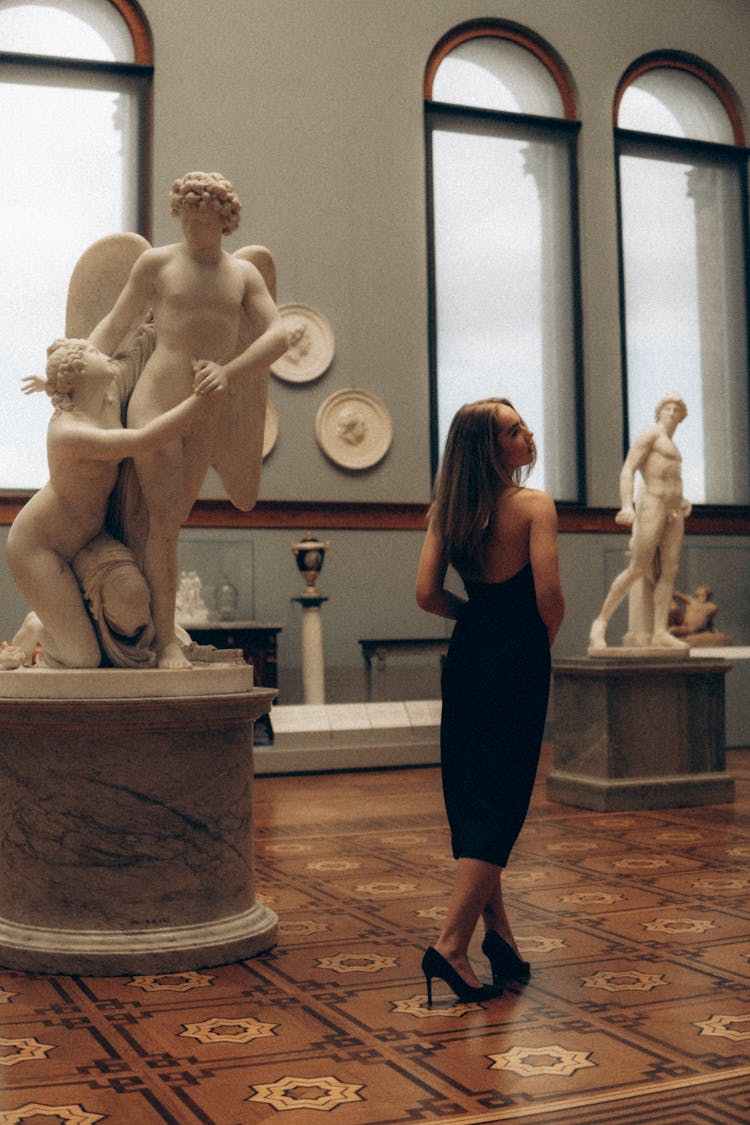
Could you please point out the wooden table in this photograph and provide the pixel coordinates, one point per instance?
(258, 642)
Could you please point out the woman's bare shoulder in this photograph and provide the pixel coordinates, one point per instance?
(531, 500)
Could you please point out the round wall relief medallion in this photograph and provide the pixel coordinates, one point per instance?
(311, 345)
(270, 429)
(354, 429)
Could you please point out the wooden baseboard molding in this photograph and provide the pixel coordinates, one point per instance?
(319, 515)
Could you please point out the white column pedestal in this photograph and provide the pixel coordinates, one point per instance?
(313, 668)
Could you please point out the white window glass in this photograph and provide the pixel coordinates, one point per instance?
(76, 29)
(503, 249)
(493, 73)
(72, 136)
(684, 297)
(502, 280)
(675, 103)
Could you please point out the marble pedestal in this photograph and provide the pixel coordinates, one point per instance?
(126, 807)
(637, 734)
(313, 668)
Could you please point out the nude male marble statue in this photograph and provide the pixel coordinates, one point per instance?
(217, 332)
(57, 536)
(657, 517)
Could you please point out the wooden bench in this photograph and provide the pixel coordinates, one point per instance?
(377, 648)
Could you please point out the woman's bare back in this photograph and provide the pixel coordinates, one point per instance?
(507, 549)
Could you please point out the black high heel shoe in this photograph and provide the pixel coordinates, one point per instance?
(505, 963)
(435, 965)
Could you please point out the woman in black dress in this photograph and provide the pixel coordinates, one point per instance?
(501, 538)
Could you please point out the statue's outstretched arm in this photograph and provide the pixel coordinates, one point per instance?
(31, 384)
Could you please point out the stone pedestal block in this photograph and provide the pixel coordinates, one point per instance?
(645, 733)
(127, 843)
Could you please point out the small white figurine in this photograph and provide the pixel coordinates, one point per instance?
(190, 607)
(657, 518)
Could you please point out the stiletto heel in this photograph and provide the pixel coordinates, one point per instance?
(505, 963)
(435, 965)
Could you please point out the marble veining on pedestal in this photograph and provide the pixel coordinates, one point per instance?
(127, 825)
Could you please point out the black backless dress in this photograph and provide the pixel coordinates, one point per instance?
(495, 686)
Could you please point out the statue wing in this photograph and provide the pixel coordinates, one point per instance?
(98, 279)
(238, 453)
(263, 261)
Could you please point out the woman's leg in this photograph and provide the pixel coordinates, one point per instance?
(474, 887)
(496, 919)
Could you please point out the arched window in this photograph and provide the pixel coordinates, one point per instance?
(75, 80)
(501, 139)
(682, 169)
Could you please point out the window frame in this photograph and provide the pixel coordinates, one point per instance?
(565, 129)
(141, 69)
(629, 142)
(53, 65)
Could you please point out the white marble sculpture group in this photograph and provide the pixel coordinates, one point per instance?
(173, 379)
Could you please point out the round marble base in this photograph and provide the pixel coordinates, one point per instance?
(127, 826)
(172, 949)
(633, 652)
(122, 683)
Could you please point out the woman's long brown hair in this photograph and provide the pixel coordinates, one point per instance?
(470, 476)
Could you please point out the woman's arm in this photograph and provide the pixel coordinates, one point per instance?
(545, 564)
(432, 595)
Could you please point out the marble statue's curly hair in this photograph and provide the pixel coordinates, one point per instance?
(672, 397)
(64, 362)
(206, 191)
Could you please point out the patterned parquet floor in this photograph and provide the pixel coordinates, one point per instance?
(638, 1010)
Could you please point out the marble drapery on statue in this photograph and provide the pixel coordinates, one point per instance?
(118, 599)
